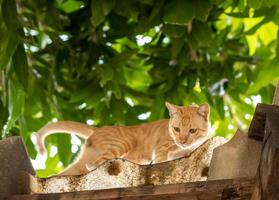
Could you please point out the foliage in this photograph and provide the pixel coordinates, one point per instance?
(117, 62)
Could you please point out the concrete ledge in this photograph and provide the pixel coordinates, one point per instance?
(119, 173)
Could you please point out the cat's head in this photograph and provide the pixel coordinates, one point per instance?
(188, 124)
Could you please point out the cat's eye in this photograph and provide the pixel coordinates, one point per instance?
(193, 130)
(176, 129)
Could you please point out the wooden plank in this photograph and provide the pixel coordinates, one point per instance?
(268, 171)
(276, 95)
(267, 179)
(204, 190)
(257, 126)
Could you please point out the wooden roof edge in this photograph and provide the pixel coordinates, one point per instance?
(202, 190)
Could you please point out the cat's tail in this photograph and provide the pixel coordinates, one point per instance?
(68, 127)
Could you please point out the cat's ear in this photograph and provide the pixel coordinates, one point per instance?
(172, 108)
(203, 110)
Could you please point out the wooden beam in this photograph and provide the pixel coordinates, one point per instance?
(204, 190)
(268, 171)
(257, 126)
(266, 127)
(276, 95)
(269, 166)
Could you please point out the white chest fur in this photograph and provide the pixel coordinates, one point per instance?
(187, 150)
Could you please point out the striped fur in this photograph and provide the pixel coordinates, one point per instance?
(153, 142)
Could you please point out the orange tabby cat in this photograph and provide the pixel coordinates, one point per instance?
(153, 142)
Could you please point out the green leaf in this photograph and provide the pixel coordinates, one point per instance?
(16, 99)
(259, 3)
(157, 110)
(176, 47)
(156, 10)
(267, 94)
(238, 14)
(220, 107)
(90, 94)
(149, 2)
(175, 31)
(16, 105)
(23, 128)
(10, 15)
(154, 18)
(107, 73)
(3, 115)
(202, 33)
(64, 148)
(31, 148)
(191, 81)
(21, 66)
(26, 135)
(122, 58)
(116, 90)
(70, 5)
(102, 113)
(138, 79)
(7, 49)
(202, 9)
(118, 109)
(51, 167)
(82, 94)
(100, 9)
(179, 12)
(266, 75)
(222, 128)
(127, 8)
(268, 14)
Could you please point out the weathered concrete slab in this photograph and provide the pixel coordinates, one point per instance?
(14, 160)
(238, 158)
(119, 173)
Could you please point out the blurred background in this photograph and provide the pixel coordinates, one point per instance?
(115, 62)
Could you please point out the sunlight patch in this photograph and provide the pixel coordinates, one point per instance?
(142, 40)
(74, 148)
(53, 151)
(144, 116)
(129, 101)
(90, 122)
(39, 162)
(256, 99)
(75, 140)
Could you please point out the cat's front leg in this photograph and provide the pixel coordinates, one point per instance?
(97, 162)
(161, 157)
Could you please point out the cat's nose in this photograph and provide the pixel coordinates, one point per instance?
(183, 141)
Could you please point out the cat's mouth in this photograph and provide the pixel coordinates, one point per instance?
(190, 144)
(185, 141)
(184, 145)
